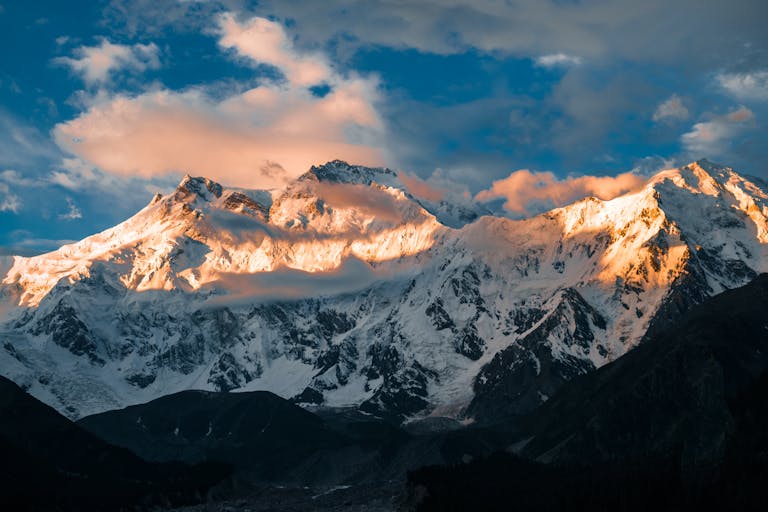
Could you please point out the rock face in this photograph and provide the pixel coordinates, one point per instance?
(345, 290)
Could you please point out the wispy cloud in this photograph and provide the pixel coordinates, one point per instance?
(9, 202)
(671, 109)
(95, 64)
(73, 212)
(713, 137)
(557, 60)
(421, 188)
(746, 86)
(13, 177)
(24, 243)
(23, 145)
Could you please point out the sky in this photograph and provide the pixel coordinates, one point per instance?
(522, 104)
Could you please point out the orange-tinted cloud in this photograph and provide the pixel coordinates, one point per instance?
(165, 132)
(241, 139)
(371, 201)
(421, 188)
(96, 63)
(525, 192)
(265, 41)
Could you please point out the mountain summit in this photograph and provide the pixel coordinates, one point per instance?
(345, 290)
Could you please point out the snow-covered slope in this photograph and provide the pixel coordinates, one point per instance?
(346, 290)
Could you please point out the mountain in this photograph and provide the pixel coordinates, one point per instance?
(694, 391)
(679, 423)
(266, 439)
(254, 431)
(49, 463)
(345, 290)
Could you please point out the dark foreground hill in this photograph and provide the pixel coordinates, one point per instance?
(680, 423)
(50, 463)
(271, 441)
(257, 432)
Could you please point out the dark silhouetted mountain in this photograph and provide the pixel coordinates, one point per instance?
(270, 440)
(50, 463)
(257, 432)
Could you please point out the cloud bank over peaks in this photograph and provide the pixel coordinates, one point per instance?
(527, 193)
(259, 137)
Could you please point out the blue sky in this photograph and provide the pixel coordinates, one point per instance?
(104, 102)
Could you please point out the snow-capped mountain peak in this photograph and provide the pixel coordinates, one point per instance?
(339, 171)
(202, 187)
(343, 289)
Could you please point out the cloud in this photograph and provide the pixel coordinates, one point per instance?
(527, 192)
(236, 141)
(671, 109)
(714, 137)
(651, 165)
(746, 86)
(23, 243)
(557, 60)
(595, 30)
(242, 139)
(73, 212)
(421, 188)
(369, 201)
(285, 283)
(75, 175)
(13, 177)
(95, 64)
(9, 202)
(22, 145)
(265, 41)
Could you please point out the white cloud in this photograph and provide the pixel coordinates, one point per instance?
(95, 64)
(557, 60)
(22, 145)
(76, 175)
(73, 212)
(671, 109)
(9, 202)
(746, 86)
(713, 137)
(13, 177)
(240, 139)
